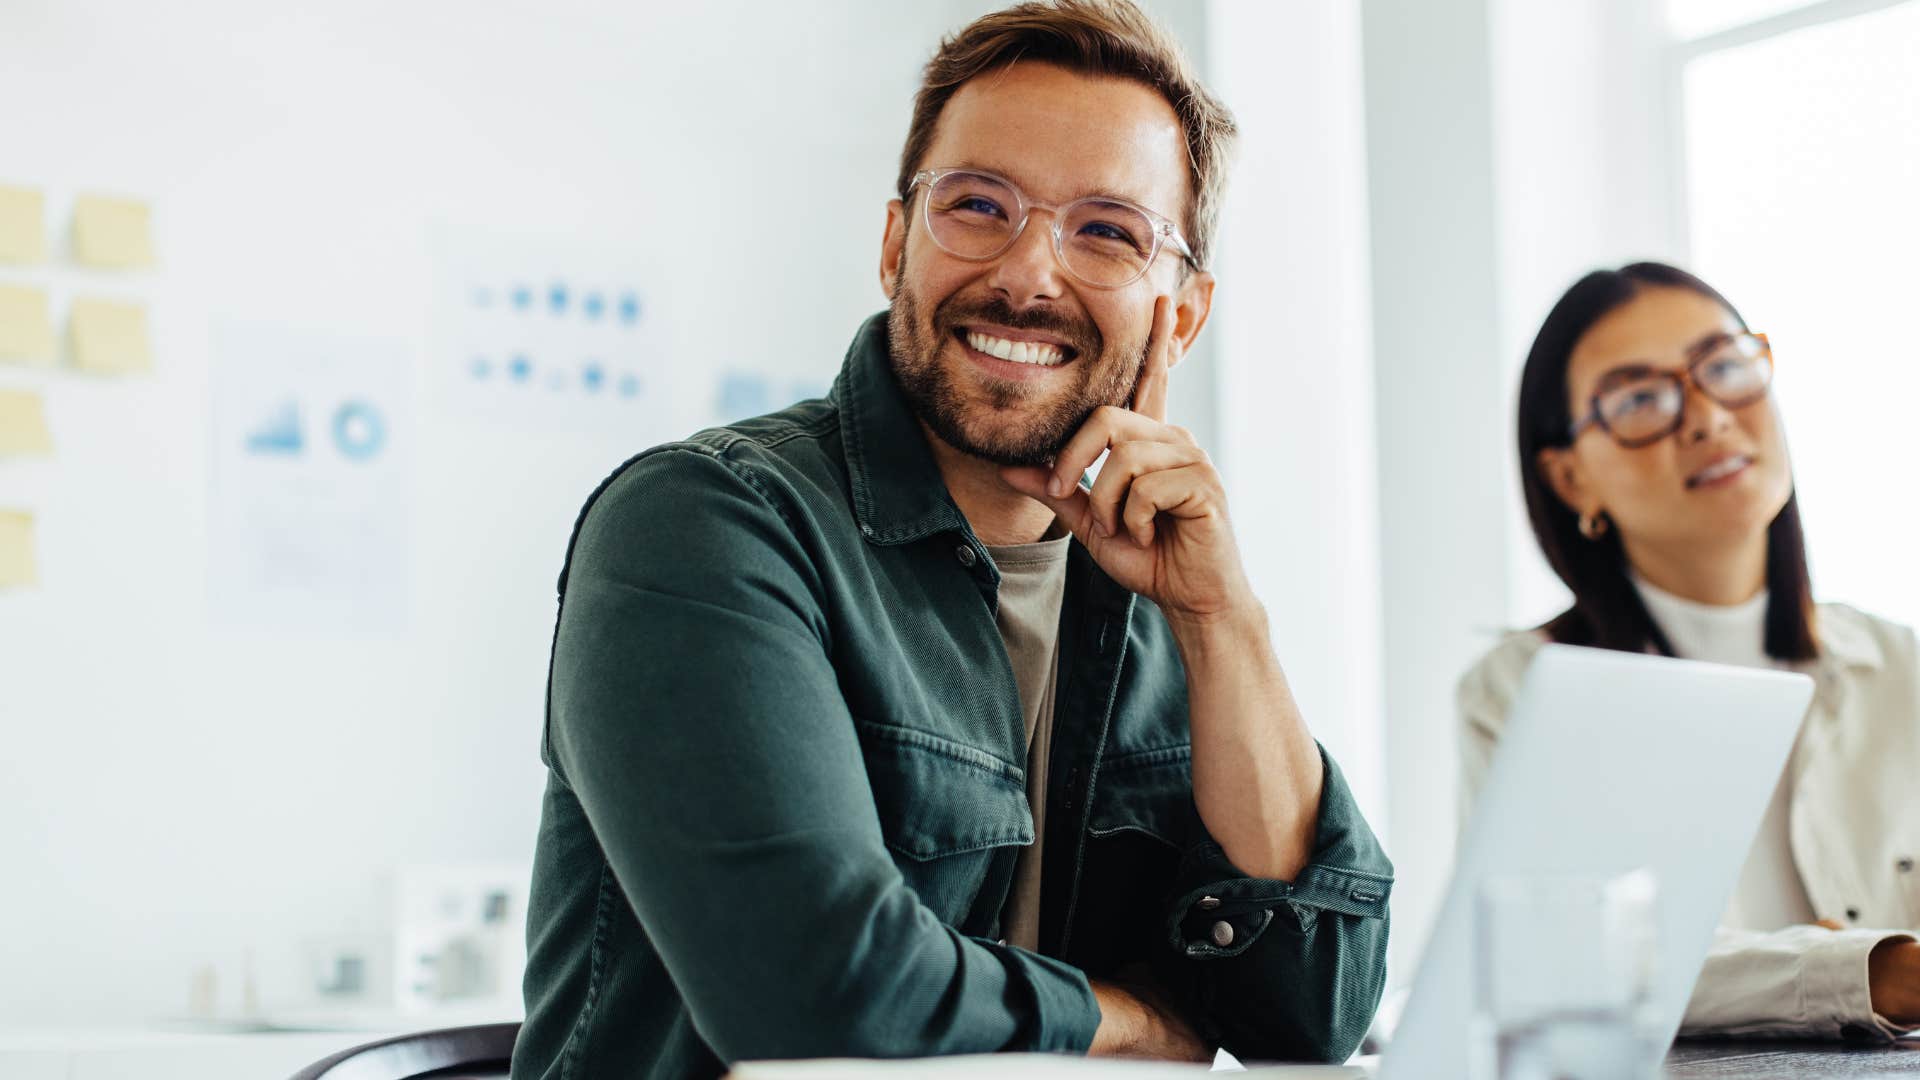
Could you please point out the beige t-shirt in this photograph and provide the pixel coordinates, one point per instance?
(1033, 583)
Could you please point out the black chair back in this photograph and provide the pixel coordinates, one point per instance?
(463, 1053)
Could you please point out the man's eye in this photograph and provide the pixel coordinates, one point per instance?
(977, 205)
(1100, 230)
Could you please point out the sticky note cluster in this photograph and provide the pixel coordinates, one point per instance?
(104, 336)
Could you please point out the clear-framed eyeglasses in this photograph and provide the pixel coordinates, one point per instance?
(1103, 242)
(1638, 405)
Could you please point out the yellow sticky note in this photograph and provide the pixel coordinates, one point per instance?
(110, 337)
(26, 325)
(16, 549)
(23, 228)
(112, 233)
(23, 424)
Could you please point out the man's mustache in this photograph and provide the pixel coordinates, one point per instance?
(1085, 339)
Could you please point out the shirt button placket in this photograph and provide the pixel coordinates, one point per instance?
(966, 555)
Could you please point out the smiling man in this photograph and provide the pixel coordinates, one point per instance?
(875, 730)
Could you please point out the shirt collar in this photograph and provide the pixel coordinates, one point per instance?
(898, 492)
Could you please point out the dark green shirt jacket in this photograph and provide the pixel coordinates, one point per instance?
(787, 785)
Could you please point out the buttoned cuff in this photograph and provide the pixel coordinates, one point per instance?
(1834, 986)
(1229, 911)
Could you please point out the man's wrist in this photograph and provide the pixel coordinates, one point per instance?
(1216, 635)
(1122, 1017)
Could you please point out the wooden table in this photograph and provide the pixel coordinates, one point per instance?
(1750, 1060)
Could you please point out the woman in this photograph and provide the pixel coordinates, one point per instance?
(1658, 484)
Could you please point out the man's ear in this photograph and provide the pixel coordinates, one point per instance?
(892, 244)
(1192, 303)
(1561, 470)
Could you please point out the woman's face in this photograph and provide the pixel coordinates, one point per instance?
(1722, 477)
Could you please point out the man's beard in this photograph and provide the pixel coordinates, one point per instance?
(1033, 431)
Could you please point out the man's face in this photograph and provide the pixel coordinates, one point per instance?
(1059, 136)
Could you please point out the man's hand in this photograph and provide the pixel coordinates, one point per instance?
(1156, 522)
(1893, 977)
(1135, 1021)
(1156, 519)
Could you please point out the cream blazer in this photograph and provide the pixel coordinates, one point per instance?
(1854, 824)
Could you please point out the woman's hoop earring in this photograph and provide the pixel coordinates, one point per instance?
(1593, 526)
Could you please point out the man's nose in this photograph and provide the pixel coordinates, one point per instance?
(1029, 272)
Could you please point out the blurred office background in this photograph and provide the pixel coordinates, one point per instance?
(424, 273)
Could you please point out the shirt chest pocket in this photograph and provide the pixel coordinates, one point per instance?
(952, 815)
(1146, 793)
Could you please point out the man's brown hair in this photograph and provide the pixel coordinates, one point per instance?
(1112, 38)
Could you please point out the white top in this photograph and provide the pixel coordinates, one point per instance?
(1769, 895)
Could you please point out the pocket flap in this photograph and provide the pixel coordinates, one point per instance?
(938, 797)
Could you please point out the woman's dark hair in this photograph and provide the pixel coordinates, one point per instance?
(1607, 611)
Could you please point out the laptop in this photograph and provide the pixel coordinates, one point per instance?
(1611, 762)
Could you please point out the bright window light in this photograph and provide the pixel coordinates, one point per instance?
(1804, 200)
(1689, 19)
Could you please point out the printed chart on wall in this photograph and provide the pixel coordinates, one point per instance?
(307, 523)
(544, 334)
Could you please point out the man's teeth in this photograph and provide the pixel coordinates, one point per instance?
(1724, 468)
(1020, 352)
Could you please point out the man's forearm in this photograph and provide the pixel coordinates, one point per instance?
(1257, 774)
(1136, 1022)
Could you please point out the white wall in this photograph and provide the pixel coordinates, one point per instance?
(1296, 379)
(1442, 540)
(172, 795)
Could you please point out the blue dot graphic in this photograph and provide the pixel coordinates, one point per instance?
(592, 377)
(629, 386)
(358, 430)
(629, 308)
(557, 298)
(743, 393)
(594, 305)
(520, 368)
(522, 297)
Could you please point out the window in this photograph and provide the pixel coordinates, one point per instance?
(1803, 200)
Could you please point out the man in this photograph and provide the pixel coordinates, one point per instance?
(874, 731)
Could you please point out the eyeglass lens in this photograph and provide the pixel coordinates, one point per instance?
(1101, 242)
(1647, 405)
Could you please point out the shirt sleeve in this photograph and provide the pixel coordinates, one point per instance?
(1285, 970)
(696, 715)
(1798, 982)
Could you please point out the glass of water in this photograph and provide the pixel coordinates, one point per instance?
(1564, 978)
